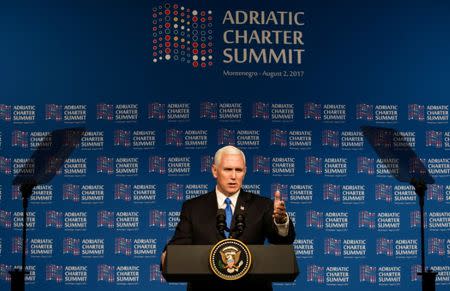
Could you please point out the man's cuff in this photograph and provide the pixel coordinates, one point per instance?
(283, 228)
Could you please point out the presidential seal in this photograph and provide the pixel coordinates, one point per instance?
(230, 259)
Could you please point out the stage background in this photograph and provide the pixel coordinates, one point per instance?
(158, 89)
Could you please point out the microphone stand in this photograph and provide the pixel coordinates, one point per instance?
(63, 142)
(18, 276)
(381, 139)
(428, 276)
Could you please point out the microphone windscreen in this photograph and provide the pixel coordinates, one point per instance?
(221, 214)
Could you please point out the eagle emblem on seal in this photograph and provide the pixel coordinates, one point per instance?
(230, 258)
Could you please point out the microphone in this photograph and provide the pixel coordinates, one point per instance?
(239, 224)
(221, 224)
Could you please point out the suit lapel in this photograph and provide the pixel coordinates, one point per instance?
(242, 204)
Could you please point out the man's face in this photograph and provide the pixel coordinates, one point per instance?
(229, 173)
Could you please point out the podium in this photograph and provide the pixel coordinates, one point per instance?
(187, 263)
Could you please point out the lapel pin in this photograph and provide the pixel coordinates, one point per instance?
(242, 208)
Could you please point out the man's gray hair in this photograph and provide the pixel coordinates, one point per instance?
(231, 150)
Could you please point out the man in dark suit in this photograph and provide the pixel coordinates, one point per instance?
(264, 219)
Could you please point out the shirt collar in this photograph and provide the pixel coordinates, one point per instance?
(221, 198)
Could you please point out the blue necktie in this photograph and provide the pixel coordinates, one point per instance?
(228, 215)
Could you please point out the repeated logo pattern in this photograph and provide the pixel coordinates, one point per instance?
(88, 217)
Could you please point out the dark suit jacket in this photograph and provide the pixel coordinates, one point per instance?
(198, 226)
